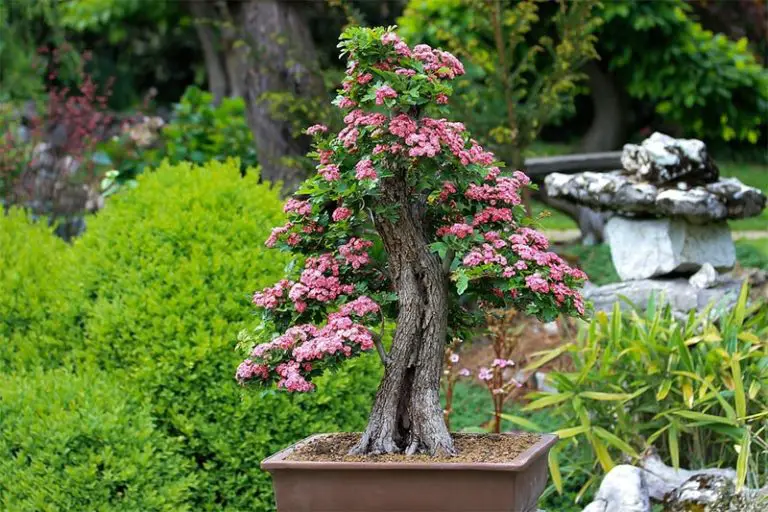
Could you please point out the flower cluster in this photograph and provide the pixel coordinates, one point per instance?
(355, 252)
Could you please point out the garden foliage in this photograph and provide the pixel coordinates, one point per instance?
(705, 84)
(161, 284)
(694, 389)
(80, 442)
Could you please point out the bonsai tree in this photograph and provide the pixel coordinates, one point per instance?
(408, 218)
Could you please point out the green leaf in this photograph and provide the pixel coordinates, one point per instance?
(566, 433)
(742, 461)
(554, 471)
(605, 397)
(462, 282)
(739, 395)
(674, 447)
(664, 388)
(522, 422)
(548, 401)
(615, 441)
(548, 356)
(700, 416)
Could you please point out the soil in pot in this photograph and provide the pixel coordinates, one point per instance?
(488, 448)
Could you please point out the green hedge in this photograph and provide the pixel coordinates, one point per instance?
(169, 269)
(72, 443)
(37, 314)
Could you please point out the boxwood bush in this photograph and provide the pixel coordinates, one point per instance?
(37, 315)
(79, 443)
(167, 273)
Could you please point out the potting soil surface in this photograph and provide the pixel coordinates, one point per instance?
(492, 448)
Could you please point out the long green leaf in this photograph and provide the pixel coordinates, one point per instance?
(739, 396)
(601, 452)
(565, 433)
(554, 471)
(605, 397)
(615, 441)
(741, 305)
(547, 357)
(674, 447)
(547, 401)
(742, 461)
(522, 422)
(700, 416)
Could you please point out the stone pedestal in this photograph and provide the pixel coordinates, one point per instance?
(641, 249)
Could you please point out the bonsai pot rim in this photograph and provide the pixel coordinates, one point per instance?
(522, 461)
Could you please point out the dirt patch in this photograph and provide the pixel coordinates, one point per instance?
(494, 448)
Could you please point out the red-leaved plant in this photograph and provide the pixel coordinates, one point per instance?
(51, 171)
(407, 218)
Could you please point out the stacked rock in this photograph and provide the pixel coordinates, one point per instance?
(669, 207)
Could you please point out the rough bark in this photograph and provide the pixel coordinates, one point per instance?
(204, 15)
(407, 416)
(282, 60)
(608, 128)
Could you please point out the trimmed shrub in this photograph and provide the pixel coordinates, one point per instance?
(169, 268)
(76, 443)
(38, 319)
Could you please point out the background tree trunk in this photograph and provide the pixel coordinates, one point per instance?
(282, 59)
(608, 130)
(407, 416)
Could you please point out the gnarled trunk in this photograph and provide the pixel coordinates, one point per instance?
(407, 416)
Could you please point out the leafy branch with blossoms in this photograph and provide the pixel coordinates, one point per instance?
(407, 218)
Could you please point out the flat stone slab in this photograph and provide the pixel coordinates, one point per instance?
(641, 249)
(678, 293)
(617, 191)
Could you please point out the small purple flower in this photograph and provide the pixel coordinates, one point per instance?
(454, 358)
(485, 374)
(464, 372)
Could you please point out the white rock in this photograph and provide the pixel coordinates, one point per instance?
(647, 248)
(706, 277)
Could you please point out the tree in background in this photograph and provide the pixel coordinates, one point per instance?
(524, 61)
(657, 65)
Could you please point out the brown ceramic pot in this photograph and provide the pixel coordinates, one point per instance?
(304, 486)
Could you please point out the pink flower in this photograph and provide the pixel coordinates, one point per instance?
(441, 99)
(276, 232)
(360, 307)
(293, 239)
(330, 172)
(325, 156)
(298, 207)
(502, 363)
(317, 128)
(390, 38)
(454, 358)
(485, 374)
(464, 372)
(383, 93)
(345, 102)
(364, 79)
(270, 298)
(365, 170)
(405, 72)
(457, 230)
(355, 252)
(341, 213)
(537, 284)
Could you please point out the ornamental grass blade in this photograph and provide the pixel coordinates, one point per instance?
(674, 447)
(566, 433)
(664, 388)
(742, 461)
(554, 470)
(616, 442)
(547, 356)
(522, 422)
(738, 392)
(602, 454)
(704, 418)
(605, 397)
(547, 401)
